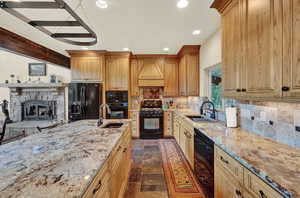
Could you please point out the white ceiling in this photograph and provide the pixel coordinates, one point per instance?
(144, 26)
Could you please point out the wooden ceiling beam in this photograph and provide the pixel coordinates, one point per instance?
(16, 43)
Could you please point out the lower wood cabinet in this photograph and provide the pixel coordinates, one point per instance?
(135, 122)
(232, 180)
(168, 124)
(111, 181)
(184, 135)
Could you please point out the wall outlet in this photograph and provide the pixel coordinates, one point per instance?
(297, 128)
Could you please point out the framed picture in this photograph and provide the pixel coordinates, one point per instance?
(37, 69)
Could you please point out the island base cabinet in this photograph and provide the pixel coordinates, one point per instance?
(111, 181)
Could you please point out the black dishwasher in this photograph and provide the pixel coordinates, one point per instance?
(204, 162)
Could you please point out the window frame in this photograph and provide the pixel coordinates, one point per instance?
(208, 72)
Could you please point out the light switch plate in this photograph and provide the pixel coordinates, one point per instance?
(263, 116)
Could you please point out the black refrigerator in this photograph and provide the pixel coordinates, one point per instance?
(84, 101)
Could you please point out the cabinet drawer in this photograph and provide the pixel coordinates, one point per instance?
(99, 184)
(229, 164)
(258, 187)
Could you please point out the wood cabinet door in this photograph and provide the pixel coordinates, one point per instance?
(291, 48)
(231, 50)
(225, 185)
(135, 69)
(263, 64)
(171, 77)
(182, 77)
(177, 131)
(117, 73)
(189, 147)
(87, 68)
(192, 74)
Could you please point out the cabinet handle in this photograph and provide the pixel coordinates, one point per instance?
(238, 90)
(98, 187)
(244, 90)
(223, 160)
(262, 194)
(124, 150)
(284, 88)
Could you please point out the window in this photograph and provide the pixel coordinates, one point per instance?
(215, 86)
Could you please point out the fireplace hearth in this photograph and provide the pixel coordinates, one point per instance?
(38, 110)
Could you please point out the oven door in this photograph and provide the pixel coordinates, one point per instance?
(151, 127)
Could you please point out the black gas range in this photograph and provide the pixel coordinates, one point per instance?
(151, 119)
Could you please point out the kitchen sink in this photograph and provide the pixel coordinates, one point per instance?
(113, 125)
(201, 119)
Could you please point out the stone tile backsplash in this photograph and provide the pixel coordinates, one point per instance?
(274, 120)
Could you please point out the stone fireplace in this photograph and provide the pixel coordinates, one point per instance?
(37, 101)
(34, 105)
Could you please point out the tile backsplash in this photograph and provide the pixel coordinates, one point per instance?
(274, 120)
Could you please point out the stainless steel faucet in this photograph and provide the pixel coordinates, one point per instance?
(208, 107)
(100, 121)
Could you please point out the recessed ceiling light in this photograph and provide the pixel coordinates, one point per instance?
(125, 49)
(196, 32)
(85, 48)
(166, 49)
(182, 3)
(101, 4)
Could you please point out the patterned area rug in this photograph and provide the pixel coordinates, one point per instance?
(180, 179)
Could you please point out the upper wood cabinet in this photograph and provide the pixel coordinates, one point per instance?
(189, 70)
(291, 48)
(231, 50)
(171, 77)
(134, 77)
(117, 71)
(260, 53)
(263, 47)
(87, 66)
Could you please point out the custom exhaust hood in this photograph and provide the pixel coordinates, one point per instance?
(151, 72)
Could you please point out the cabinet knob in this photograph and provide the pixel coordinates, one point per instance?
(238, 90)
(244, 90)
(284, 88)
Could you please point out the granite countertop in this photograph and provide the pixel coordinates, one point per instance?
(277, 164)
(59, 162)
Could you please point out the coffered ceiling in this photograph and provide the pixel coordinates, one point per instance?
(143, 26)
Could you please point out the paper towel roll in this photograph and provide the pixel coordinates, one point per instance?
(231, 117)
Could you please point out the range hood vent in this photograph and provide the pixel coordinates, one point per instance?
(152, 73)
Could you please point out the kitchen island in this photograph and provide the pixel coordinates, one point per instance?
(59, 162)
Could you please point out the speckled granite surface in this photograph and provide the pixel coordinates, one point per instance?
(59, 163)
(277, 164)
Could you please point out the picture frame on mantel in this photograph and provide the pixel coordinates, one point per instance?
(37, 69)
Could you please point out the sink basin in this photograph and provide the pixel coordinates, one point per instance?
(113, 125)
(200, 119)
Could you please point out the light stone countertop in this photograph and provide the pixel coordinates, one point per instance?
(56, 163)
(275, 163)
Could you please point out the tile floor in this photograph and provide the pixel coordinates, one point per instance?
(147, 178)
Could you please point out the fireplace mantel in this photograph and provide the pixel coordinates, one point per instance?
(33, 85)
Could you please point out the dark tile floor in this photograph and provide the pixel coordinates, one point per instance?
(147, 178)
